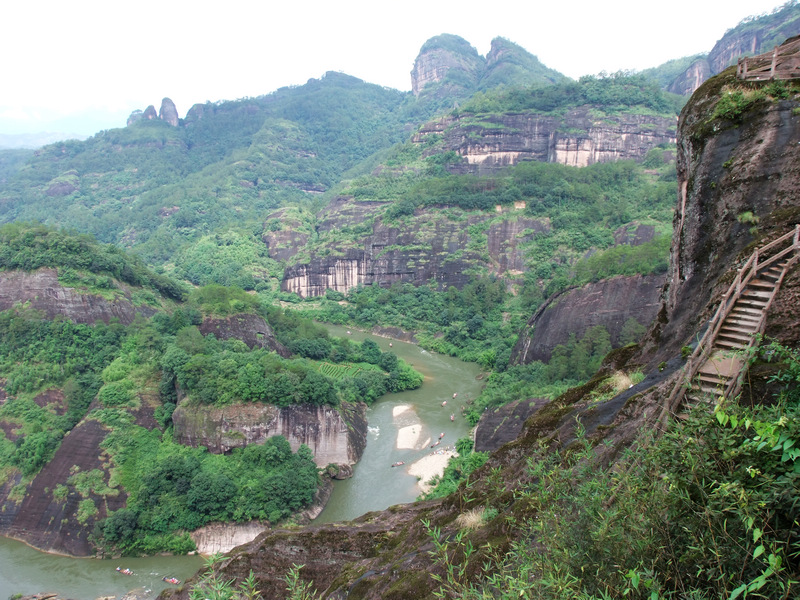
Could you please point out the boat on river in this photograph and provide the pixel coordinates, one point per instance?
(125, 571)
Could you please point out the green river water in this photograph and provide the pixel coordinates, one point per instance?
(375, 484)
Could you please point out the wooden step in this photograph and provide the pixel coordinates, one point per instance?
(722, 364)
(761, 284)
(707, 390)
(717, 382)
(734, 335)
(742, 311)
(743, 325)
(748, 293)
(745, 313)
(730, 345)
(745, 329)
(751, 303)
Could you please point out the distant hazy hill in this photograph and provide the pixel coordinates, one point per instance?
(753, 35)
(35, 140)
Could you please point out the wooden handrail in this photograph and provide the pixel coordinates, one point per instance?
(750, 269)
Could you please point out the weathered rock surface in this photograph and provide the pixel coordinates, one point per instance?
(609, 303)
(252, 329)
(335, 436)
(224, 537)
(41, 290)
(726, 169)
(502, 425)
(50, 524)
(443, 55)
(452, 62)
(432, 249)
(168, 112)
(576, 139)
(287, 241)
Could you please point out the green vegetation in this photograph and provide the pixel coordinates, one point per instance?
(174, 489)
(29, 246)
(52, 371)
(708, 510)
(615, 92)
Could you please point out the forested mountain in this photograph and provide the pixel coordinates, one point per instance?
(497, 192)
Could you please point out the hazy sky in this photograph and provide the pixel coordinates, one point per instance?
(62, 61)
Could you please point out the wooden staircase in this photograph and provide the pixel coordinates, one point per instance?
(716, 368)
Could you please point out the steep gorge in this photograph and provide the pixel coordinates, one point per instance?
(725, 167)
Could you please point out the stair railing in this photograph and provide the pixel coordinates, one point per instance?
(752, 266)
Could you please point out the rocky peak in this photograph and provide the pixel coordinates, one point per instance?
(510, 64)
(443, 57)
(150, 113)
(168, 112)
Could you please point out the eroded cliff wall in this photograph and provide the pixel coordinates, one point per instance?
(41, 290)
(727, 169)
(334, 435)
(433, 248)
(609, 303)
(578, 138)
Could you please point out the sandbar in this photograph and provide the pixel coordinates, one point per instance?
(429, 466)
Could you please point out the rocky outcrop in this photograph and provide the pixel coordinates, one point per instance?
(41, 290)
(728, 169)
(252, 329)
(286, 237)
(168, 112)
(149, 113)
(445, 55)
(224, 537)
(502, 425)
(334, 435)
(448, 66)
(437, 251)
(609, 303)
(51, 523)
(576, 139)
(691, 79)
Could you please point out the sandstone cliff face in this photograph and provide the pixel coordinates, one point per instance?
(725, 169)
(691, 79)
(287, 241)
(253, 330)
(168, 112)
(48, 523)
(577, 139)
(609, 303)
(442, 55)
(334, 436)
(41, 290)
(432, 249)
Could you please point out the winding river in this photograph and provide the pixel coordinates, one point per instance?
(414, 419)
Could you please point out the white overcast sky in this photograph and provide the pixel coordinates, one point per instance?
(63, 60)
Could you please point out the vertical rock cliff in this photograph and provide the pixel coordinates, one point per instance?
(334, 435)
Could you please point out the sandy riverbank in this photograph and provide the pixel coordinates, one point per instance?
(430, 466)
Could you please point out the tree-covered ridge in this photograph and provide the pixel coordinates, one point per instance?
(56, 375)
(165, 187)
(30, 246)
(616, 92)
